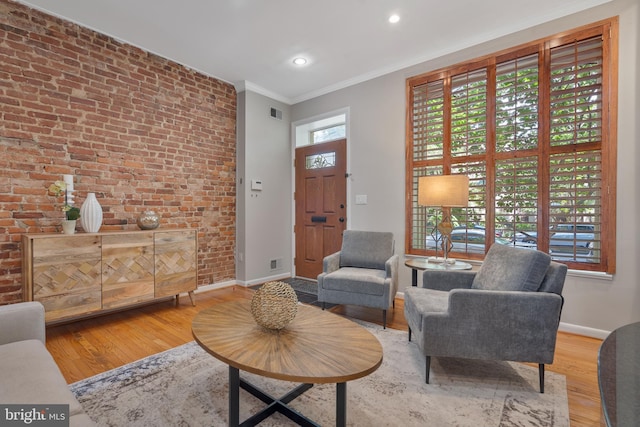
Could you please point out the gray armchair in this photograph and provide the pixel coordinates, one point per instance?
(508, 310)
(364, 272)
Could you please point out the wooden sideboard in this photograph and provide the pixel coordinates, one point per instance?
(88, 273)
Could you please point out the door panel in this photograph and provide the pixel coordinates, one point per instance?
(313, 202)
(321, 188)
(312, 248)
(330, 203)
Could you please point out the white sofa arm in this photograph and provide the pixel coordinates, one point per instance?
(22, 321)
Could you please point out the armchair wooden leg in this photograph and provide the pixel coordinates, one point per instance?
(541, 373)
(428, 368)
(384, 319)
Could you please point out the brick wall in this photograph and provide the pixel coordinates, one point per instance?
(140, 131)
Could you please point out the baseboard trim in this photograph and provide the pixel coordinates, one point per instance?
(583, 330)
(247, 283)
(213, 286)
(244, 283)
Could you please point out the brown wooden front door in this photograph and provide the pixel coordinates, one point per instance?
(321, 204)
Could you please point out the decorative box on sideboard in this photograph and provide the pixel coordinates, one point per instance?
(88, 273)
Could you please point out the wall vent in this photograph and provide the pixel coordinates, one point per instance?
(276, 114)
(275, 264)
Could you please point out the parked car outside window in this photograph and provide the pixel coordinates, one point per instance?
(529, 237)
(470, 240)
(564, 244)
(568, 242)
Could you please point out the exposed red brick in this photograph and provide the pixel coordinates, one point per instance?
(138, 130)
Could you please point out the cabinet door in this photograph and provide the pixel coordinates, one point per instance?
(127, 269)
(176, 262)
(66, 275)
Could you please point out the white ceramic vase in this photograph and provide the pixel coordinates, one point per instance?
(91, 214)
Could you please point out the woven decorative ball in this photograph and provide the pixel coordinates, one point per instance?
(274, 305)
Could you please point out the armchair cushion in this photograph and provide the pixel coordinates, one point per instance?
(420, 301)
(366, 249)
(507, 268)
(358, 280)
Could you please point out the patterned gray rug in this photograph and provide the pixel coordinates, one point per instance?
(185, 386)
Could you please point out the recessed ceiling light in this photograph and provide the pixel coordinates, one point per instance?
(299, 61)
(394, 18)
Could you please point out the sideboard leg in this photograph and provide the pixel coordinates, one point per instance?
(192, 297)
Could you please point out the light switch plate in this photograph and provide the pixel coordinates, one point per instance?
(361, 199)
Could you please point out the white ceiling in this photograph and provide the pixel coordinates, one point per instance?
(251, 43)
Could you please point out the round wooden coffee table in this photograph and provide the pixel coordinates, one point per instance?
(316, 347)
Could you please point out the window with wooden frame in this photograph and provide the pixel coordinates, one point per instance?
(534, 128)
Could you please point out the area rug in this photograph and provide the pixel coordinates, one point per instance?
(306, 291)
(186, 386)
(302, 285)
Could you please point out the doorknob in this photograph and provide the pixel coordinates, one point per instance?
(341, 206)
(341, 219)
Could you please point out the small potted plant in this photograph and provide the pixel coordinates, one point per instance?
(71, 213)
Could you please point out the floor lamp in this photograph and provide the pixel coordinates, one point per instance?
(444, 192)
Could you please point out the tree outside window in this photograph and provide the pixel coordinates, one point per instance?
(531, 127)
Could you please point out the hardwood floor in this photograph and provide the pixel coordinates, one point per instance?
(88, 347)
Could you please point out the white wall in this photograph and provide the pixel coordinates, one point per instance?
(593, 304)
(264, 223)
(375, 153)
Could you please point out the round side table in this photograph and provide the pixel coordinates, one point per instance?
(421, 264)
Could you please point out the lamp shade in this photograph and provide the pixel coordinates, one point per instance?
(443, 190)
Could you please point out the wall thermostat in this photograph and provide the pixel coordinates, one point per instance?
(256, 184)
